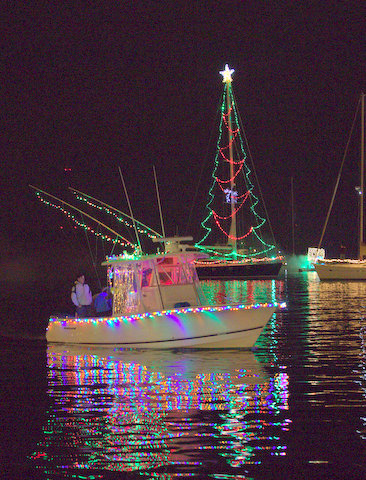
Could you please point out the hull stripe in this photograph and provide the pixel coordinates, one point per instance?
(167, 340)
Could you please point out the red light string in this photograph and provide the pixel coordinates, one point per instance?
(232, 237)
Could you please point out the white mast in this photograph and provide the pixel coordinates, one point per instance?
(362, 172)
(233, 234)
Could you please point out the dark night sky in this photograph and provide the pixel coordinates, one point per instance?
(94, 86)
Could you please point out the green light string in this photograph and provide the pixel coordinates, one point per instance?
(147, 231)
(123, 243)
(208, 222)
(260, 221)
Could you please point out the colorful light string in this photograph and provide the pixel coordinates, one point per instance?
(119, 241)
(213, 221)
(176, 311)
(143, 229)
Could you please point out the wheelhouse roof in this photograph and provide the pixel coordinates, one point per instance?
(133, 259)
(172, 244)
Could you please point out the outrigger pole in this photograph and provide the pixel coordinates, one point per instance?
(115, 209)
(157, 194)
(129, 206)
(83, 213)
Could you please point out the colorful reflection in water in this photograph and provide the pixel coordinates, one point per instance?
(237, 291)
(294, 409)
(144, 411)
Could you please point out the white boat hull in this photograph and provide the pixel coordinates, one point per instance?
(204, 327)
(341, 271)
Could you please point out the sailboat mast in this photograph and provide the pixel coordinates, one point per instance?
(232, 234)
(362, 170)
(292, 216)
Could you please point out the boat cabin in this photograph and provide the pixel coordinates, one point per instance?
(151, 283)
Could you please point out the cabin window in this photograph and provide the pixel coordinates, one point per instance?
(165, 278)
(146, 277)
(174, 275)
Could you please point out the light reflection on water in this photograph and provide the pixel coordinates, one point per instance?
(295, 408)
(137, 411)
(250, 291)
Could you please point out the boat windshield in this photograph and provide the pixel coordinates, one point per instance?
(171, 271)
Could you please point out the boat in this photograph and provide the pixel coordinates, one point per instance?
(345, 268)
(313, 256)
(339, 269)
(233, 217)
(158, 303)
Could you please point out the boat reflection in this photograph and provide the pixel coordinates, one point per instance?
(236, 291)
(343, 295)
(335, 308)
(138, 410)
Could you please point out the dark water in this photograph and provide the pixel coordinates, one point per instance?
(293, 409)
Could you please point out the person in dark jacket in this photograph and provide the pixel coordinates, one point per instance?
(103, 303)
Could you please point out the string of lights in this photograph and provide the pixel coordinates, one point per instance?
(233, 188)
(117, 240)
(179, 311)
(118, 216)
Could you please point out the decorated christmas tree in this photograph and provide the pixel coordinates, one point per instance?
(233, 226)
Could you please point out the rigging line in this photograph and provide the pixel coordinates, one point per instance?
(81, 245)
(103, 249)
(96, 246)
(88, 243)
(96, 256)
(255, 173)
(203, 164)
(76, 237)
(80, 211)
(339, 174)
(112, 249)
(113, 208)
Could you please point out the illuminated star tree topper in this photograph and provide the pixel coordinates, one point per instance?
(226, 74)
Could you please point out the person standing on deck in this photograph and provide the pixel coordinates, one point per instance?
(103, 303)
(81, 297)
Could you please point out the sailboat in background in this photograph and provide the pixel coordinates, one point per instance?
(348, 269)
(232, 208)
